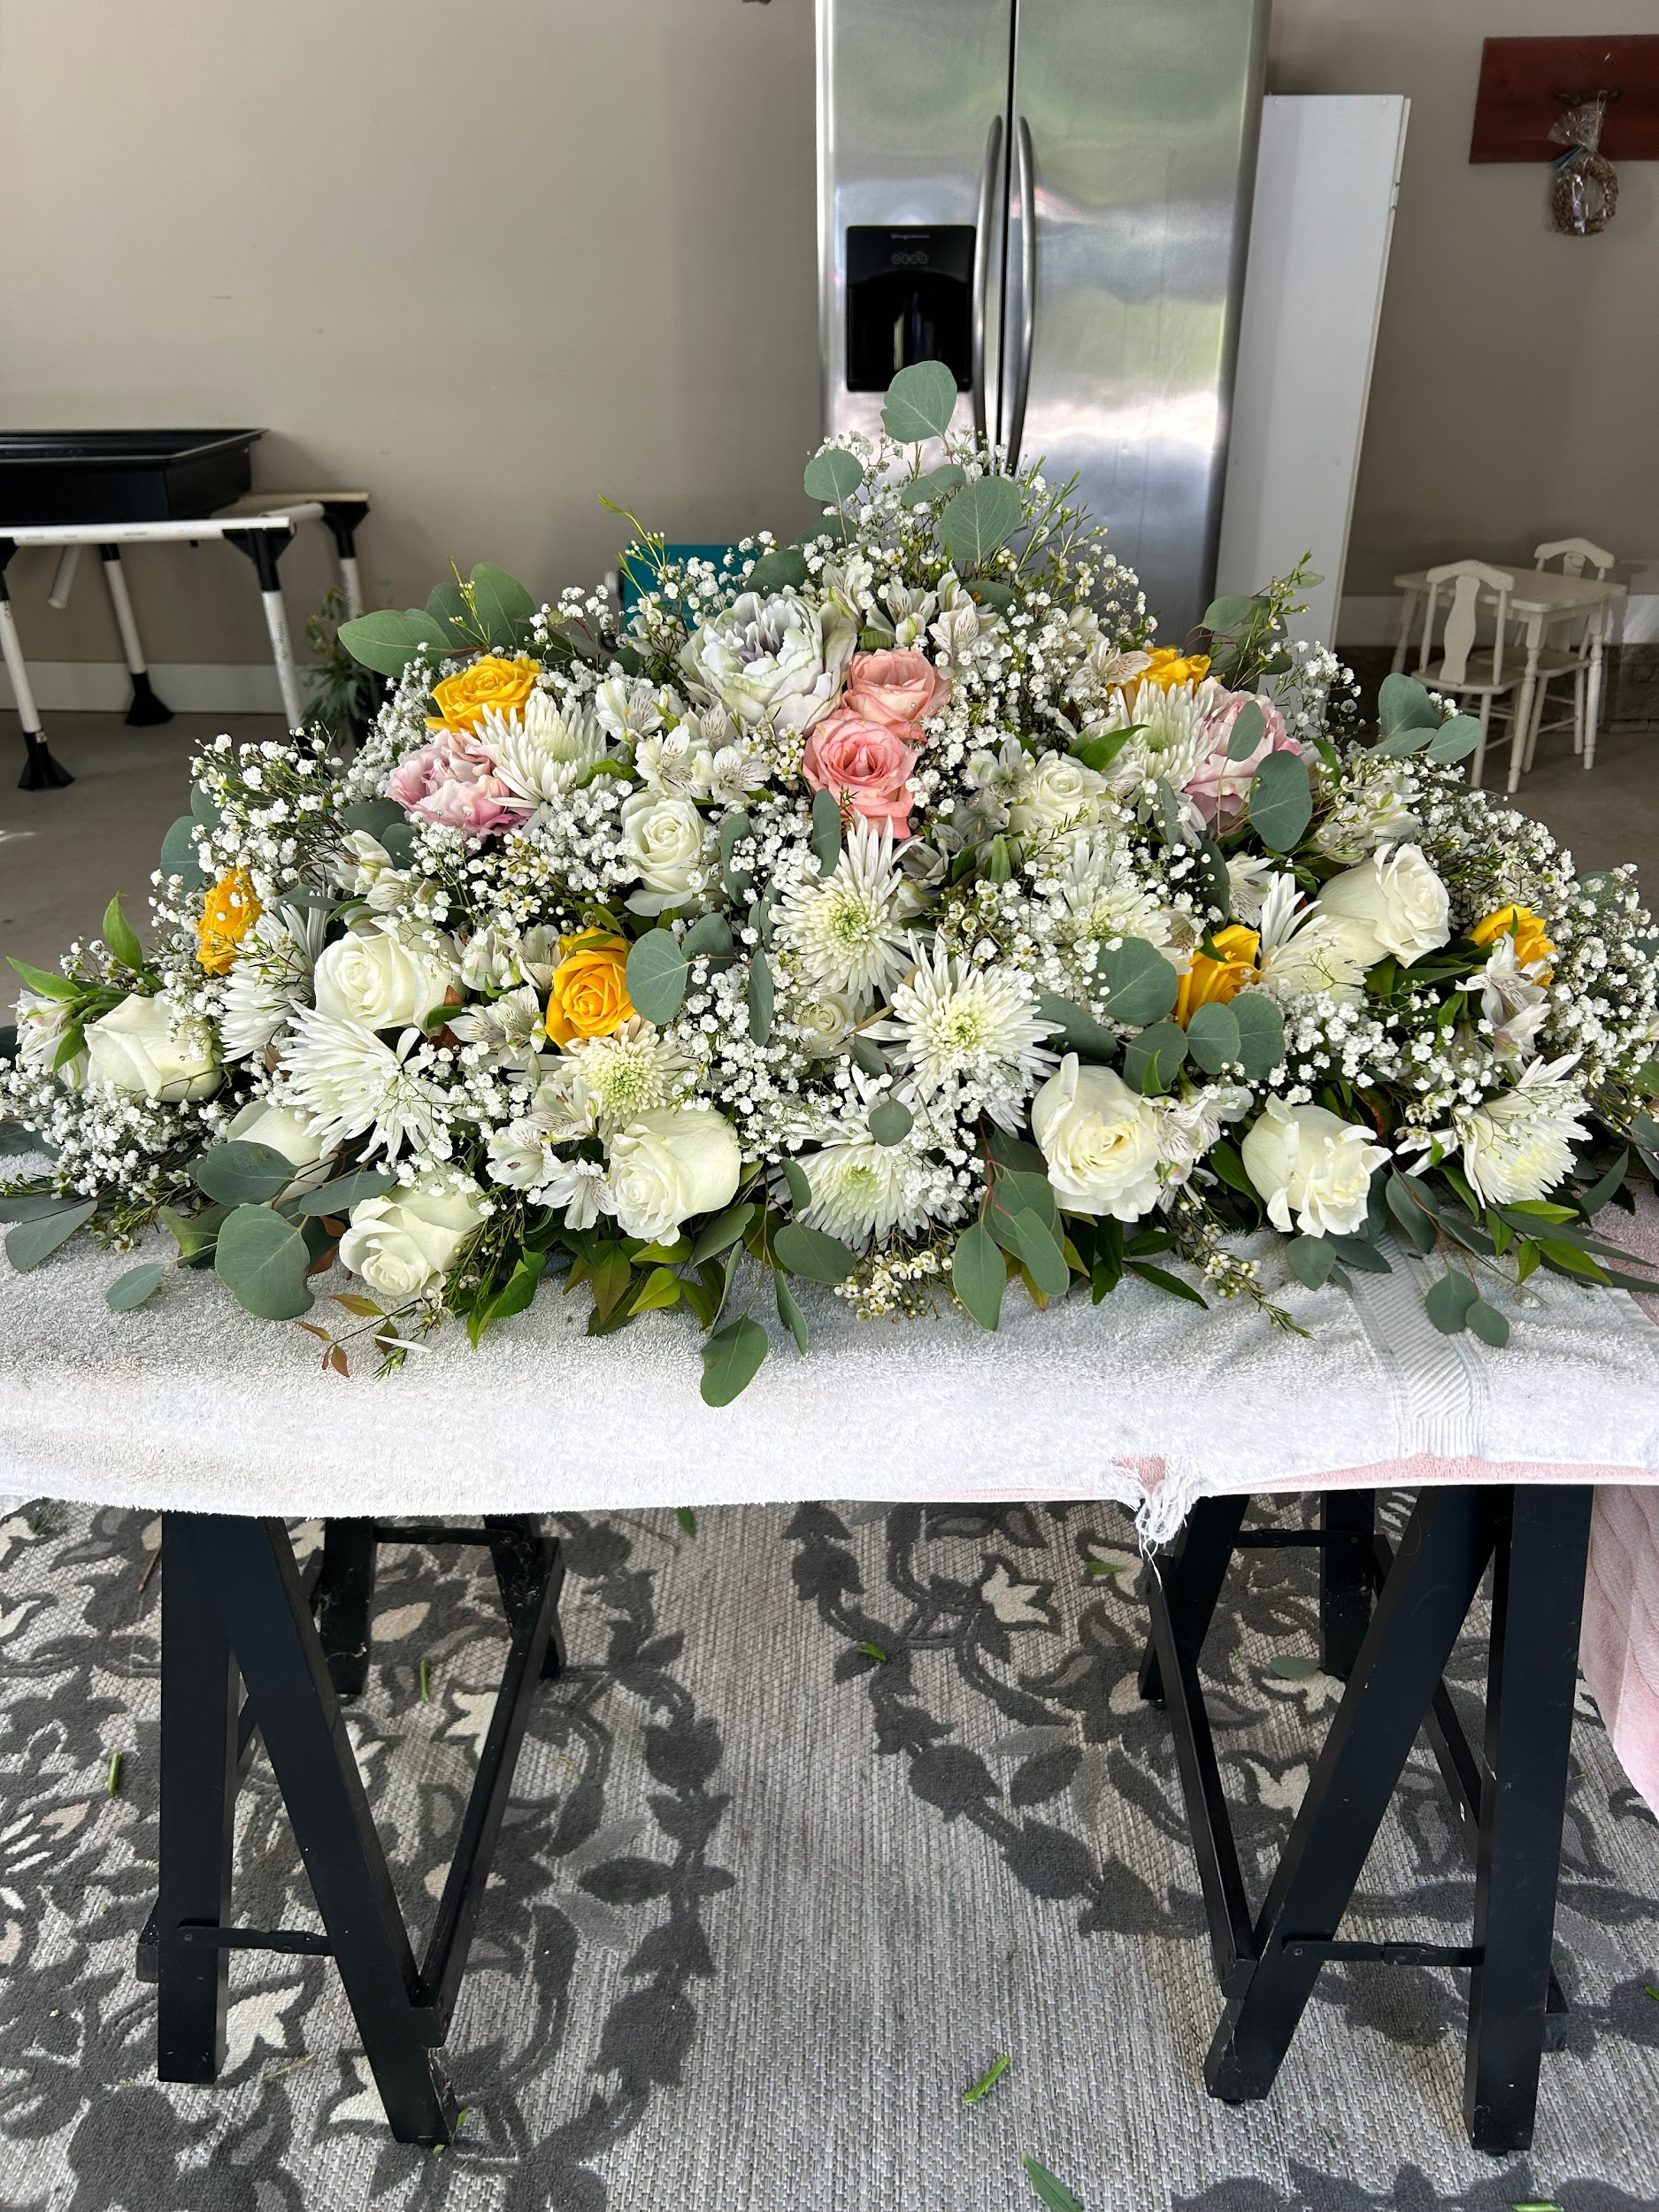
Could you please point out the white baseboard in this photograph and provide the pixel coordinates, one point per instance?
(188, 686)
(1377, 621)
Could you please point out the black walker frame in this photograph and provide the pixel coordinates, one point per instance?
(1511, 1799)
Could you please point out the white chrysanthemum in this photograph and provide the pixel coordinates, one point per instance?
(866, 1189)
(350, 1083)
(633, 1072)
(1304, 949)
(957, 1026)
(1100, 898)
(848, 929)
(545, 747)
(1519, 1145)
(272, 975)
(1172, 741)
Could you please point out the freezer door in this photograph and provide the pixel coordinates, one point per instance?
(912, 159)
(1125, 262)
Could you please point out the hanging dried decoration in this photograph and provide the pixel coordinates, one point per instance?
(1584, 184)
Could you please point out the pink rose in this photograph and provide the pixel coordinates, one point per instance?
(901, 687)
(1217, 786)
(865, 764)
(453, 783)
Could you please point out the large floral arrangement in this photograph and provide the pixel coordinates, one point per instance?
(886, 911)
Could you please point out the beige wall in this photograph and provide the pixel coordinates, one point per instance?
(491, 258)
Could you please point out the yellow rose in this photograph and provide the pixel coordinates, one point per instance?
(1213, 982)
(228, 913)
(490, 683)
(1525, 926)
(588, 995)
(1171, 666)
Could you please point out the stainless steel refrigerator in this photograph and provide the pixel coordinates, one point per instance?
(1051, 196)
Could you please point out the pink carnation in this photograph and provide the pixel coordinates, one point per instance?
(901, 687)
(453, 784)
(1217, 786)
(865, 764)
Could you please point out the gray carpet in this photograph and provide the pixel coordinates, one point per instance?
(767, 1905)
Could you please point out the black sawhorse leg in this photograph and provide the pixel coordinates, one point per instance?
(233, 1598)
(1267, 1966)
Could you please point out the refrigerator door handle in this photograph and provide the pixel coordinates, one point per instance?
(1027, 289)
(982, 268)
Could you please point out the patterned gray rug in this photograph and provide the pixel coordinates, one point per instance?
(767, 1904)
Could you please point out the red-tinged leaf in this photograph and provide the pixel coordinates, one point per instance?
(337, 1360)
(354, 1302)
(324, 1261)
(311, 1329)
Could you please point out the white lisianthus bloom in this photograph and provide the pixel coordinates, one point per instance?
(137, 1048)
(271, 976)
(848, 928)
(545, 747)
(959, 1026)
(262, 1121)
(1100, 1141)
(664, 840)
(402, 1245)
(1397, 897)
(1519, 1145)
(669, 1164)
(1303, 949)
(774, 661)
(1056, 793)
(381, 978)
(1307, 1162)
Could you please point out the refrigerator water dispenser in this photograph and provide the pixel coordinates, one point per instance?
(908, 292)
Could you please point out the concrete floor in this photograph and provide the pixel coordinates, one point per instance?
(63, 853)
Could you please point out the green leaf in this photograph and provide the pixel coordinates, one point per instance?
(1250, 726)
(1404, 705)
(999, 866)
(1212, 871)
(1280, 800)
(120, 936)
(869, 1055)
(1260, 1032)
(1054, 2192)
(832, 528)
(656, 975)
(1293, 1666)
(131, 1289)
(833, 476)
(978, 1274)
(1226, 614)
(760, 998)
(1487, 1324)
(1311, 1260)
(919, 403)
(1448, 1301)
(388, 641)
(345, 1192)
(1213, 1039)
(1408, 1206)
(1015, 1187)
(447, 605)
(800, 1189)
(936, 484)
(242, 1174)
(376, 815)
(263, 1261)
(203, 809)
(709, 938)
(178, 854)
(809, 1253)
(982, 518)
(33, 1242)
(35, 1205)
(193, 1233)
(1171, 1284)
(789, 1313)
(777, 571)
(731, 1360)
(1141, 984)
(1099, 753)
(1403, 744)
(1152, 1059)
(1598, 1194)
(723, 1230)
(660, 1290)
(1455, 740)
(734, 828)
(47, 985)
(1079, 1032)
(501, 602)
(687, 1519)
(1567, 1259)
(1034, 1244)
(891, 1122)
(826, 831)
(1361, 1256)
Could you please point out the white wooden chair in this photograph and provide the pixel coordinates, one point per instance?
(1564, 656)
(1459, 585)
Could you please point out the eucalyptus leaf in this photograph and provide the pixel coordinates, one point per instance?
(981, 520)
(891, 1122)
(447, 605)
(386, 641)
(1152, 1059)
(978, 1274)
(936, 484)
(1448, 1301)
(789, 1312)
(777, 571)
(735, 829)
(826, 831)
(345, 1192)
(731, 1360)
(203, 809)
(1310, 1260)
(1141, 984)
(1280, 800)
(1360, 1255)
(810, 1253)
(1079, 1032)
(832, 528)
(833, 476)
(1226, 614)
(800, 1189)
(1411, 1215)
(33, 1242)
(178, 854)
(1293, 1666)
(760, 998)
(657, 976)
(1034, 1244)
(1404, 705)
(1487, 1324)
(501, 602)
(1213, 1038)
(919, 403)
(1250, 726)
(1402, 744)
(131, 1289)
(36, 1205)
(709, 938)
(1455, 740)
(1260, 1032)
(242, 1174)
(263, 1261)
(722, 1233)
(868, 1056)
(376, 815)
(1212, 874)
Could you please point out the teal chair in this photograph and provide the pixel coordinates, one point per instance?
(635, 570)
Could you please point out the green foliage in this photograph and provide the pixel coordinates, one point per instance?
(937, 484)
(783, 569)
(33, 1242)
(731, 1360)
(809, 1253)
(130, 1290)
(120, 937)
(979, 1275)
(263, 1261)
(760, 998)
(241, 1173)
(388, 641)
(826, 831)
(1141, 984)
(919, 403)
(1079, 1032)
(833, 476)
(1213, 1038)
(656, 972)
(891, 1122)
(343, 692)
(178, 854)
(981, 520)
(1248, 635)
(1153, 1059)
(1281, 802)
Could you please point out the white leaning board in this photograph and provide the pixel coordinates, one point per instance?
(1327, 177)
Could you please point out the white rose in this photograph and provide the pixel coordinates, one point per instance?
(1304, 1158)
(773, 661)
(826, 1020)
(1397, 897)
(262, 1122)
(132, 1048)
(663, 838)
(404, 1244)
(1100, 1140)
(1056, 793)
(669, 1164)
(377, 977)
